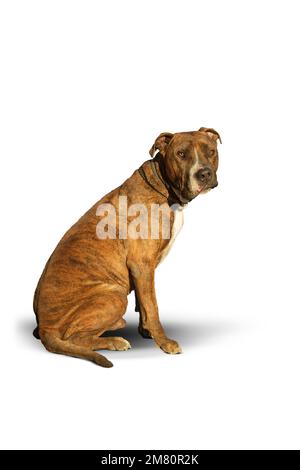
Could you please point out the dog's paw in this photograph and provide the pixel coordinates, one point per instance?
(118, 344)
(170, 346)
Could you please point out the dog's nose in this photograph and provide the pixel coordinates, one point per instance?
(204, 175)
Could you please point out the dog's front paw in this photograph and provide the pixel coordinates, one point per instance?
(170, 346)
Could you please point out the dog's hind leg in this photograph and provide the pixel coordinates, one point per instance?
(95, 342)
(80, 335)
(36, 333)
(111, 343)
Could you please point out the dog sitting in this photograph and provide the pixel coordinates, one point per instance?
(83, 289)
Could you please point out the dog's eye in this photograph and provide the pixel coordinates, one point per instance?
(211, 152)
(181, 154)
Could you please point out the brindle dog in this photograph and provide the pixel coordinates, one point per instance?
(83, 289)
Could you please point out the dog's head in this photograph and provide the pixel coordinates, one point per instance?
(190, 161)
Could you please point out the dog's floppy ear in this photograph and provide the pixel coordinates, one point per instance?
(211, 133)
(161, 143)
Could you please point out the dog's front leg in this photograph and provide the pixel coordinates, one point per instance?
(143, 332)
(150, 325)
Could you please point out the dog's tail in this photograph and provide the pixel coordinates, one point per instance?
(56, 345)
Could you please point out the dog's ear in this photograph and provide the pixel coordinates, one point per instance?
(161, 143)
(211, 133)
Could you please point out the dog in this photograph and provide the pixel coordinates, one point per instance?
(82, 292)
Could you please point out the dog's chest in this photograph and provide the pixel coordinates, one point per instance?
(175, 229)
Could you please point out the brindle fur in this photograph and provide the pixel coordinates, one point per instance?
(83, 289)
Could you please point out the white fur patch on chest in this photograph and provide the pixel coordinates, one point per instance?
(176, 227)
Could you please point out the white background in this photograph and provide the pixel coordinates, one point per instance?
(86, 86)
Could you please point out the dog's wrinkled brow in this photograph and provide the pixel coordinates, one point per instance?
(203, 147)
(183, 145)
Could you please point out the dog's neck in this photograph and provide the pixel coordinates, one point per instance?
(153, 172)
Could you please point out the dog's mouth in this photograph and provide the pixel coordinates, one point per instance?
(207, 188)
(188, 194)
(204, 189)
